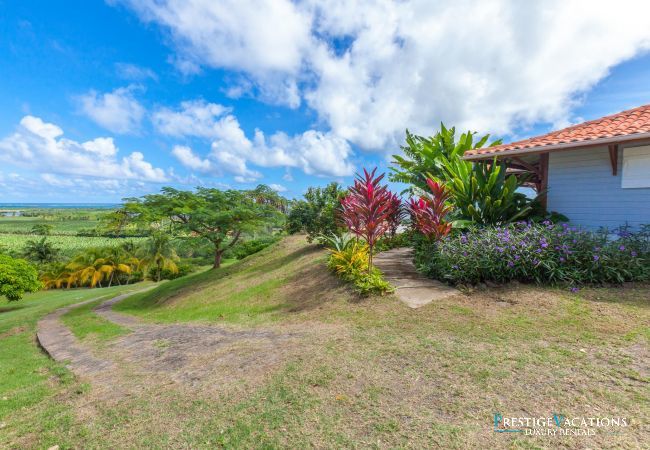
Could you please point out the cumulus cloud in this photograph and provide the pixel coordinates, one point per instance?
(314, 152)
(117, 111)
(194, 118)
(372, 68)
(189, 159)
(40, 146)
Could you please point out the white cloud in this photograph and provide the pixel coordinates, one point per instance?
(117, 111)
(277, 187)
(189, 159)
(195, 118)
(40, 146)
(133, 72)
(266, 38)
(314, 152)
(372, 68)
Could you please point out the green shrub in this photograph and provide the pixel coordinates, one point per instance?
(544, 253)
(404, 239)
(166, 273)
(17, 276)
(246, 248)
(318, 212)
(481, 192)
(351, 264)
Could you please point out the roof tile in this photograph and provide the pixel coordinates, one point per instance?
(625, 123)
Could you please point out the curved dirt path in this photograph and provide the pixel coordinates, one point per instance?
(191, 355)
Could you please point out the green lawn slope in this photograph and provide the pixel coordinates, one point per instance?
(288, 276)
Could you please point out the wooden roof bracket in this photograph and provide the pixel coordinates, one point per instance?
(613, 157)
(531, 168)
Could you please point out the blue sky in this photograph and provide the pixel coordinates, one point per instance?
(102, 100)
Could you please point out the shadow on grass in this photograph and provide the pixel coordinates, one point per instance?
(638, 295)
(9, 308)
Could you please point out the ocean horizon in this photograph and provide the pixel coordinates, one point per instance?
(58, 205)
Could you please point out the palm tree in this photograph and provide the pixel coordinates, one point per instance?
(90, 267)
(158, 252)
(57, 275)
(116, 262)
(41, 251)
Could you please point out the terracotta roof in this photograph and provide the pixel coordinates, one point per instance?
(625, 125)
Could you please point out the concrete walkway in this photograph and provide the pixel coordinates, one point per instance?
(411, 287)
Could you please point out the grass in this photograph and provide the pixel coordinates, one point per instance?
(361, 373)
(245, 292)
(29, 380)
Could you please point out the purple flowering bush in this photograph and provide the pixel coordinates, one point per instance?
(543, 253)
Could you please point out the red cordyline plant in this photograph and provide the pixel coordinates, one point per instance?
(428, 212)
(366, 209)
(396, 214)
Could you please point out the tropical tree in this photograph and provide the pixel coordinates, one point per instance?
(422, 155)
(318, 212)
(43, 229)
(17, 276)
(219, 217)
(158, 252)
(40, 251)
(266, 195)
(89, 268)
(484, 193)
(57, 275)
(116, 262)
(480, 192)
(366, 209)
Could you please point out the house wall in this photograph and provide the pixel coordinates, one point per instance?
(582, 187)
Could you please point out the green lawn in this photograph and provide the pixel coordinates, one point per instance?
(353, 373)
(29, 380)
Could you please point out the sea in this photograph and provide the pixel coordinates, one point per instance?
(58, 205)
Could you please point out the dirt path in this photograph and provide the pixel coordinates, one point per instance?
(195, 356)
(411, 287)
(61, 345)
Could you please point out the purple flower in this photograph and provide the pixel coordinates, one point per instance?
(633, 254)
(463, 239)
(562, 259)
(574, 289)
(596, 257)
(511, 264)
(622, 248)
(454, 267)
(517, 256)
(546, 222)
(500, 249)
(535, 262)
(596, 249)
(464, 253)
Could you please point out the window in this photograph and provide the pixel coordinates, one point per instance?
(636, 167)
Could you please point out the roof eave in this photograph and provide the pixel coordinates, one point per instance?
(558, 147)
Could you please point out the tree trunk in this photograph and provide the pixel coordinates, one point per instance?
(110, 280)
(217, 258)
(158, 275)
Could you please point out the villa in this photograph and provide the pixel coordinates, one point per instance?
(596, 173)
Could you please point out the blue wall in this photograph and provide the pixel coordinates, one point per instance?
(582, 187)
